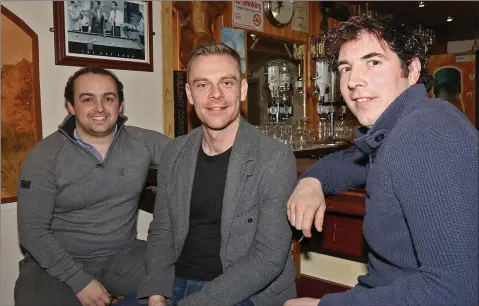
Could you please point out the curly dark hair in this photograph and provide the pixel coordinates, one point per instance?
(69, 92)
(400, 38)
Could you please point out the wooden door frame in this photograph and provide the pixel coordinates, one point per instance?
(167, 60)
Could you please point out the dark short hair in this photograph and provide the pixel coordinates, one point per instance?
(69, 93)
(97, 2)
(115, 3)
(214, 48)
(400, 38)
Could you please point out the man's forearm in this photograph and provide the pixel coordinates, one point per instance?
(160, 254)
(339, 171)
(416, 290)
(160, 272)
(44, 248)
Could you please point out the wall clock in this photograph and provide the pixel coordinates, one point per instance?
(279, 13)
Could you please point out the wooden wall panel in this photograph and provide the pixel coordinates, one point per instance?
(177, 64)
(314, 18)
(286, 33)
(313, 287)
(176, 28)
(167, 67)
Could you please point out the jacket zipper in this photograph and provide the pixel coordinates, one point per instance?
(97, 162)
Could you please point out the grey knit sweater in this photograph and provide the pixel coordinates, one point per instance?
(70, 205)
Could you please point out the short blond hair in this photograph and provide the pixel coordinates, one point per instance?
(214, 48)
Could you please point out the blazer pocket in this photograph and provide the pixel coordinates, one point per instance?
(245, 208)
(286, 278)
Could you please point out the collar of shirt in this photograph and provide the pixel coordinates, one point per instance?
(88, 146)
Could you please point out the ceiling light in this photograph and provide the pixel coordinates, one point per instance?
(449, 19)
(421, 4)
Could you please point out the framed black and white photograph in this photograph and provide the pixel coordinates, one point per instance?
(110, 34)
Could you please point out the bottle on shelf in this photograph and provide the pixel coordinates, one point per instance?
(272, 110)
(299, 81)
(340, 124)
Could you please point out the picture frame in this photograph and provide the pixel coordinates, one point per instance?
(109, 34)
(21, 107)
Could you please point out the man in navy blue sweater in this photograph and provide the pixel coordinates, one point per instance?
(419, 163)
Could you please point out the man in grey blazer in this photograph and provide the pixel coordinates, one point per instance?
(220, 235)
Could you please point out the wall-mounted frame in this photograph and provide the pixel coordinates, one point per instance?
(110, 34)
(21, 113)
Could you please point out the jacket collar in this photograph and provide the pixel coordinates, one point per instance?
(242, 144)
(67, 127)
(369, 141)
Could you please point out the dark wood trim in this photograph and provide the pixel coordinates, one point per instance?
(347, 202)
(36, 79)
(296, 250)
(60, 45)
(9, 199)
(477, 89)
(147, 200)
(167, 46)
(349, 244)
(313, 287)
(318, 153)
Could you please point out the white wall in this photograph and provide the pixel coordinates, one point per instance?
(143, 102)
(10, 252)
(333, 269)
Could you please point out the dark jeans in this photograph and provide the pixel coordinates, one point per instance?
(181, 289)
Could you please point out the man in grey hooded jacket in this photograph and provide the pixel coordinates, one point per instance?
(78, 197)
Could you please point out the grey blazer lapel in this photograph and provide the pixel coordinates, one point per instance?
(239, 168)
(185, 176)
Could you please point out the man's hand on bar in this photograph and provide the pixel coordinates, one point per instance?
(305, 205)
